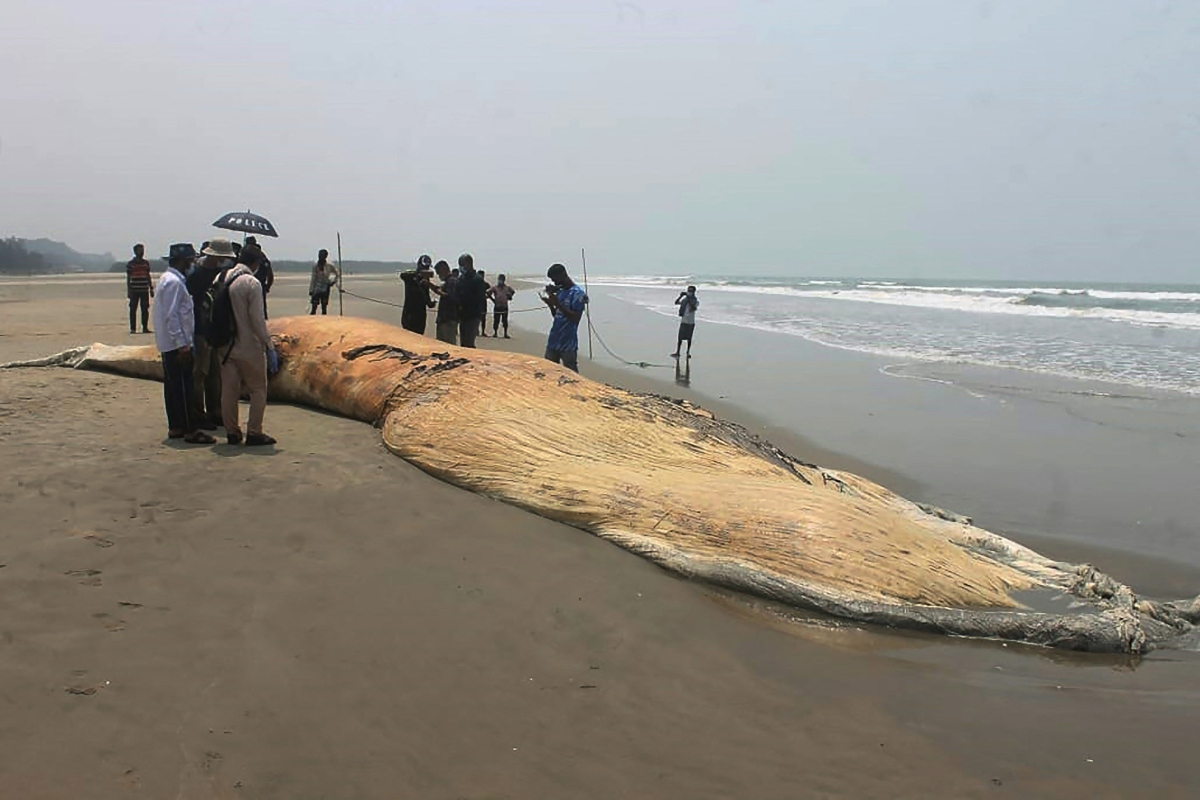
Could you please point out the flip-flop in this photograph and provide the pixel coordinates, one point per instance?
(175, 434)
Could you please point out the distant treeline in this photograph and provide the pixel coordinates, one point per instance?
(28, 256)
(16, 260)
(32, 256)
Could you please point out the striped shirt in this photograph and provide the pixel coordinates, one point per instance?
(137, 276)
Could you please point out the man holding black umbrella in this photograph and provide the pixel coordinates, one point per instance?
(264, 273)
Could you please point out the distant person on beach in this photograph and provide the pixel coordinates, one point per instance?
(324, 276)
(417, 301)
(139, 287)
(471, 293)
(688, 303)
(487, 291)
(264, 273)
(500, 294)
(205, 400)
(566, 302)
(174, 329)
(251, 355)
(446, 322)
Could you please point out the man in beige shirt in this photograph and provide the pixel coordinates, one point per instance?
(245, 368)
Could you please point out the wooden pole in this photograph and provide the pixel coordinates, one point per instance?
(587, 309)
(341, 275)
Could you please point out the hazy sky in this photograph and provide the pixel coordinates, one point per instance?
(1010, 138)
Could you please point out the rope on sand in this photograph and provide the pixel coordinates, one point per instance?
(627, 362)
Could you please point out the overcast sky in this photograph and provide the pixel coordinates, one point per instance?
(947, 138)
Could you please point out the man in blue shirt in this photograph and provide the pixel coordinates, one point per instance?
(566, 305)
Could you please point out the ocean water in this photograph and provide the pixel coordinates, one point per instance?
(1141, 335)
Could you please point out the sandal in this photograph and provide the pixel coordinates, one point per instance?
(175, 434)
(233, 438)
(199, 437)
(258, 440)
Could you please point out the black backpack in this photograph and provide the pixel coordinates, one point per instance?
(222, 327)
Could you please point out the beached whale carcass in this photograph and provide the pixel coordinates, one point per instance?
(696, 495)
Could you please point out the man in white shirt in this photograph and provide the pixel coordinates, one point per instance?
(688, 303)
(174, 327)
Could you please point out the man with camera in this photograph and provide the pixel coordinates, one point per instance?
(566, 302)
(417, 301)
(688, 303)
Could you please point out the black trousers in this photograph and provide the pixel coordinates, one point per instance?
(468, 329)
(177, 388)
(413, 319)
(134, 299)
(498, 318)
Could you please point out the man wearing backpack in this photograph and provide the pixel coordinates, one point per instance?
(205, 402)
(244, 365)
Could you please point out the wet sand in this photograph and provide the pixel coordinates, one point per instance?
(326, 621)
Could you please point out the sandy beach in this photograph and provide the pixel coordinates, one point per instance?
(325, 620)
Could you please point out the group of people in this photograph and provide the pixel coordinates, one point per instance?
(210, 327)
(462, 300)
(210, 324)
(139, 281)
(462, 305)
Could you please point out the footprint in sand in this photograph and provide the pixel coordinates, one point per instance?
(87, 577)
(110, 624)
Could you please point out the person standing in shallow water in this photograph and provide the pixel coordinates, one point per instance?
(324, 276)
(174, 332)
(688, 303)
(139, 287)
(566, 305)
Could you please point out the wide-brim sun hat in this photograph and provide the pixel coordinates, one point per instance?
(221, 248)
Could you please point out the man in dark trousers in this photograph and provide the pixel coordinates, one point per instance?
(500, 294)
(139, 287)
(264, 273)
(472, 300)
(417, 301)
(174, 334)
(205, 401)
(688, 303)
(446, 322)
(487, 288)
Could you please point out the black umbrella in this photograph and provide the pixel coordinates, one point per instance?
(247, 223)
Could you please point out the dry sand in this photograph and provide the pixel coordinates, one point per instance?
(324, 620)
